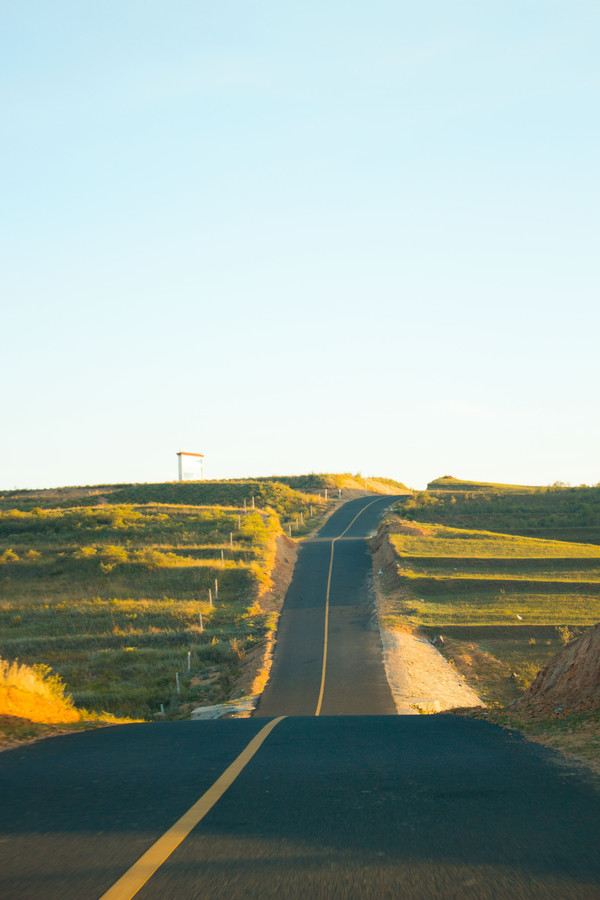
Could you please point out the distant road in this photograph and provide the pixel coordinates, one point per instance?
(306, 806)
(328, 658)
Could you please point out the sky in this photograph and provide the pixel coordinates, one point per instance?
(322, 235)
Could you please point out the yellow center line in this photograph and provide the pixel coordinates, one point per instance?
(136, 877)
(326, 638)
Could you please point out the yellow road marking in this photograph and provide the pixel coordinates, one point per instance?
(136, 877)
(326, 639)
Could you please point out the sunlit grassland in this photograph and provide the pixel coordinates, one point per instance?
(110, 598)
(503, 603)
(289, 495)
(448, 483)
(552, 513)
(442, 541)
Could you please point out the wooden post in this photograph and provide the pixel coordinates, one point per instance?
(216, 589)
(231, 540)
(290, 530)
(177, 682)
(210, 603)
(253, 503)
(189, 660)
(239, 522)
(201, 625)
(222, 558)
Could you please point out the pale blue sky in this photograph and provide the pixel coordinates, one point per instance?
(300, 236)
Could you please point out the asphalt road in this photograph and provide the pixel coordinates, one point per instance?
(329, 806)
(353, 680)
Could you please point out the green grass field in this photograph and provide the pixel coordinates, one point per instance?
(505, 604)
(110, 598)
(553, 513)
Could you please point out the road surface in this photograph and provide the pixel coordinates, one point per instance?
(328, 658)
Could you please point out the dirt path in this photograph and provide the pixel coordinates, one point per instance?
(420, 678)
(422, 681)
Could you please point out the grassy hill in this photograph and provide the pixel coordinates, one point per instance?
(287, 494)
(504, 604)
(110, 598)
(449, 483)
(555, 513)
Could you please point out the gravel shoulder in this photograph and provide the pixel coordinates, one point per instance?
(421, 680)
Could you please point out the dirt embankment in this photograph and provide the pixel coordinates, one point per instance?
(421, 680)
(570, 681)
(257, 665)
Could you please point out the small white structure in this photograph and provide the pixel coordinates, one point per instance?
(181, 454)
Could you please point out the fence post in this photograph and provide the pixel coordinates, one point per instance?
(222, 558)
(210, 603)
(177, 682)
(189, 660)
(201, 625)
(231, 540)
(216, 589)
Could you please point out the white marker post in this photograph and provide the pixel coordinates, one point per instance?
(222, 558)
(231, 540)
(201, 624)
(290, 530)
(216, 589)
(177, 682)
(210, 603)
(245, 510)
(253, 503)
(326, 493)
(189, 660)
(239, 522)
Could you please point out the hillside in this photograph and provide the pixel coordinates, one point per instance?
(287, 494)
(502, 604)
(449, 483)
(570, 681)
(554, 513)
(150, 596)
